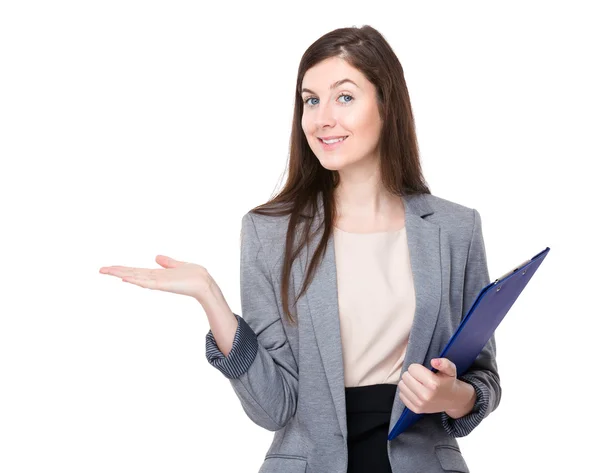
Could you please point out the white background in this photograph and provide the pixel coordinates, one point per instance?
(132, 129)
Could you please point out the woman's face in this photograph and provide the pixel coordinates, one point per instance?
(347, 110)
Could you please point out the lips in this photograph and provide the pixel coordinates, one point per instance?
(332, 138)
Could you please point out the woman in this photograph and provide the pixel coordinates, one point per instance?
(376, 292)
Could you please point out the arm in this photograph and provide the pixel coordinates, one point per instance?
(260, 366)
(482, 375)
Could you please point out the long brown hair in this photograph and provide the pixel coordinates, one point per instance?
(366, 50)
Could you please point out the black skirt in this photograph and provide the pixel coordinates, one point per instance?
(368, 411)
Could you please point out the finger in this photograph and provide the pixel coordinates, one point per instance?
(137, 282)
(423, 375)
(420, 391)
(141, 277)
(167, 262)
(115, 270)
(408, 399)
(124, 271)
(445, 366)
(110, 269)
(146, 278)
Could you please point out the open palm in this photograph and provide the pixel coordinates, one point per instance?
(178, 277)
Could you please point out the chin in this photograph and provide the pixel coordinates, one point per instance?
(332, 164)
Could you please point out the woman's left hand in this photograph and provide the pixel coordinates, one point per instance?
(426, 392)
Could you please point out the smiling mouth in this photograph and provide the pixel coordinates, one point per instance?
(334, 141)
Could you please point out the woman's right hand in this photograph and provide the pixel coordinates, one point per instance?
(178, 277)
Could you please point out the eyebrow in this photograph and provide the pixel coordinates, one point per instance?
(331, 87)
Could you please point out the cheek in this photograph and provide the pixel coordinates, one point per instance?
(367, 125)
(307, 125)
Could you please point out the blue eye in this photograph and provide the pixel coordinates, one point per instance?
(341, 95)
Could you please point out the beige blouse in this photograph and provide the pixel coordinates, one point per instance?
(376, 300)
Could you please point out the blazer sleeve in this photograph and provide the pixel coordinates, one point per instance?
(483, 373)
(260, 366)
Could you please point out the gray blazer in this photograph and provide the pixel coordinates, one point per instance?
(290, 379)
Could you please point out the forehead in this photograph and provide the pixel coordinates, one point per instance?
(330, 70)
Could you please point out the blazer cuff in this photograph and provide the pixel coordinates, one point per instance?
(464, 425)
(242, 354)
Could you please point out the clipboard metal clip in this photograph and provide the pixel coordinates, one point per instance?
(513, 271)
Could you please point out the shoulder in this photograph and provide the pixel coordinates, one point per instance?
(457, 219)
(266, 227)
(264, 234)
(447, 208)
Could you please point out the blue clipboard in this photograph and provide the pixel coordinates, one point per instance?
(478, 326)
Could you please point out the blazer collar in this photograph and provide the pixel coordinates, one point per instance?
(322, 299)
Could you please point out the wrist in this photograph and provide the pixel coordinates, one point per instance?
(223, 322)
(210, 293)
(466, 398)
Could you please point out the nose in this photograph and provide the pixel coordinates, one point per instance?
(325, 115)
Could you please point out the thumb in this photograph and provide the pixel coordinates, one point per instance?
(444, 365)
(167, 262)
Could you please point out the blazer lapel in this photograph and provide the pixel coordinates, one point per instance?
(425, 257)
(322, 299)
